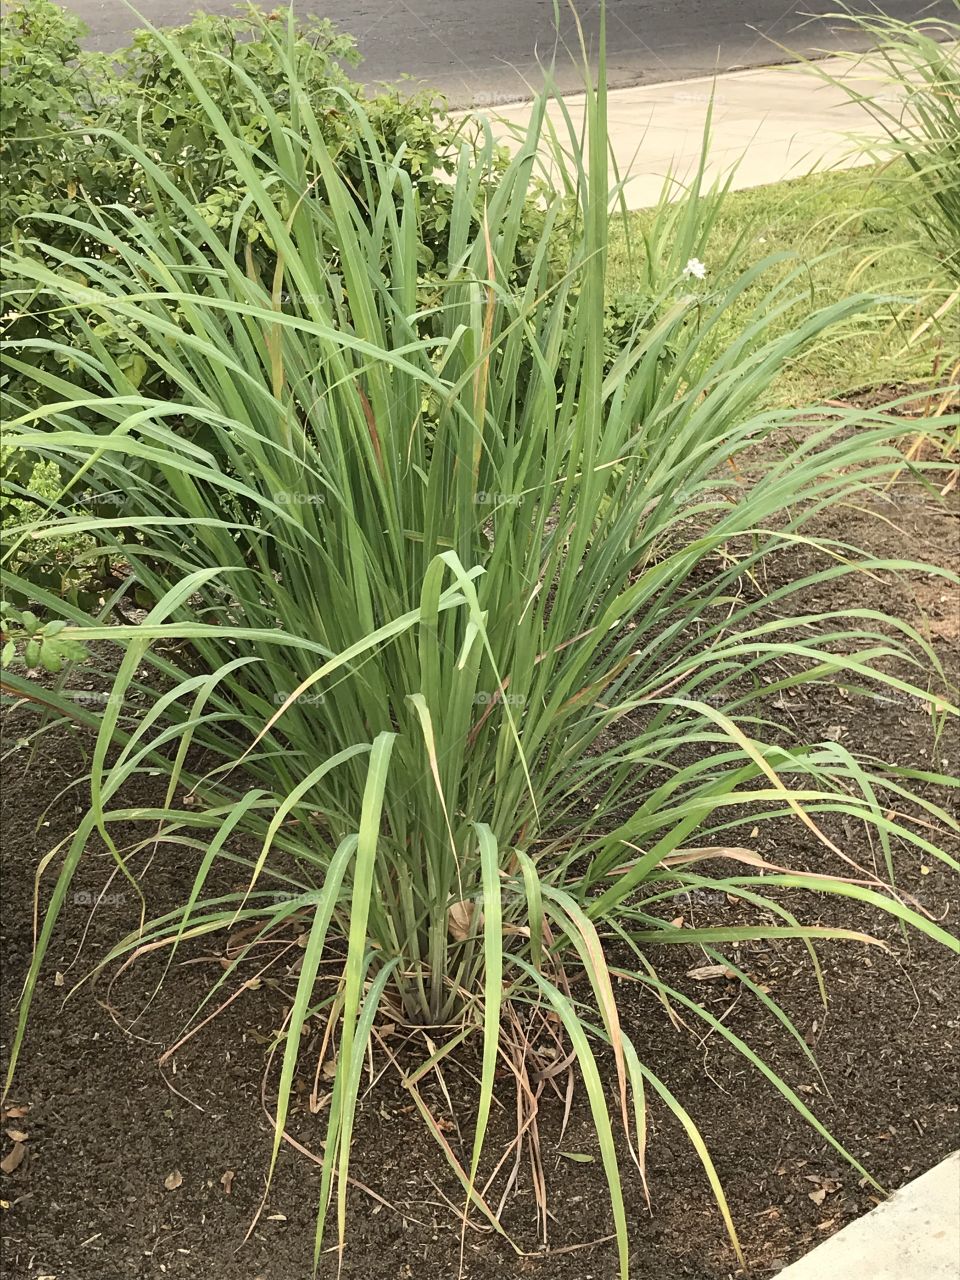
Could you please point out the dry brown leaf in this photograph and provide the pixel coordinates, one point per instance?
(329, 1069)
(14, 1158)
(226, 1181)
(58, 979)
(460, 920)
(680, 856)
(173, 1180)
(14, 1113)
(677, 922)
(705, 972)
(16, 1135)
(817, 1197)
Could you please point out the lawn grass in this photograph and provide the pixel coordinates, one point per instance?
(859, 220)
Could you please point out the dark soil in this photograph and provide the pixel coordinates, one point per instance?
(94, 1199)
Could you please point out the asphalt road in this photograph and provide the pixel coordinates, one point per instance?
(487, 50)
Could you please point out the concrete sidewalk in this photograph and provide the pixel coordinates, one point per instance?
(915, 1235)
(771, 122)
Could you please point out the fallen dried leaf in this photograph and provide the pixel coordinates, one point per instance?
(173, 1180)
(817, 1197)
(459, 920)
(226, 1181)
(16, 1135)
(14, 1113)
(707, 971)
(58, 979)
(14, 1158)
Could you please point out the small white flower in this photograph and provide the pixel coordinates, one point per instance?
(694, 268)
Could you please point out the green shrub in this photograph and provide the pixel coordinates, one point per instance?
(62, 568)
(470, 661)
(44, 77)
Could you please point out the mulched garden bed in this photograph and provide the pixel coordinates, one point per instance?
(130, 1173)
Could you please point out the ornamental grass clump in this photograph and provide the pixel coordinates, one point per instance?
(454, 636)
(918, 109)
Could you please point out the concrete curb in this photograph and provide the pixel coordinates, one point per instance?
(915, 1235)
